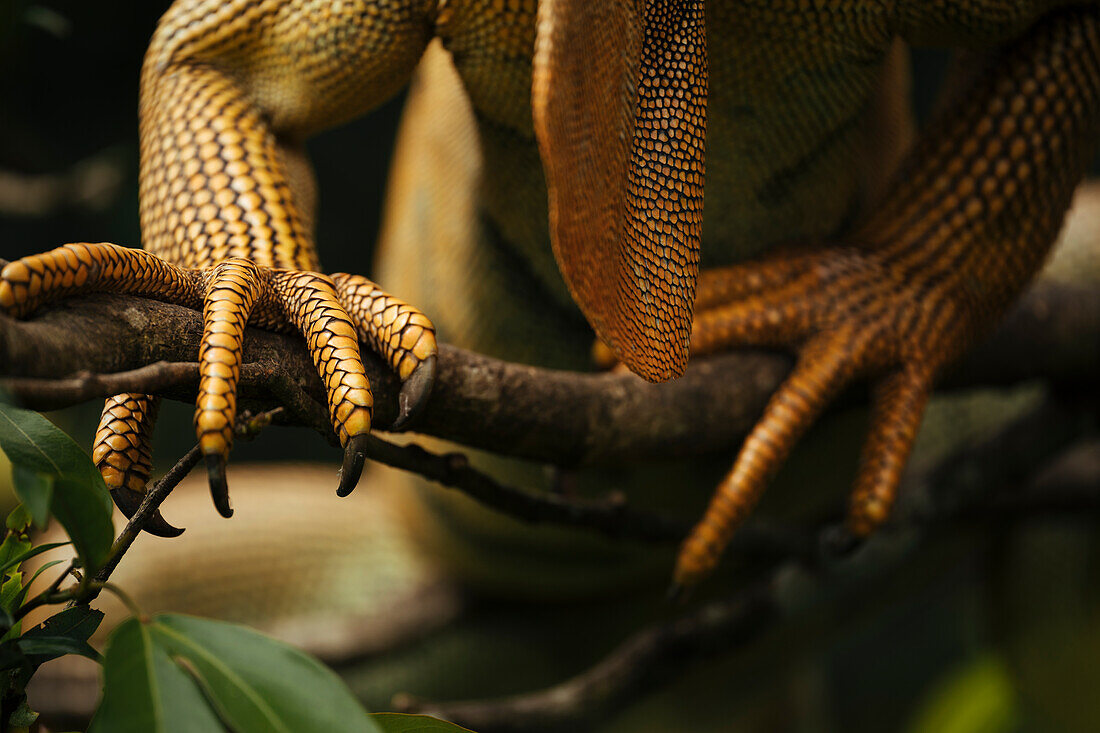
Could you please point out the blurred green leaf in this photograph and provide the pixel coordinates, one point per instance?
(26, 554)
(249, 681)
(19, 519)
(35, 490)
(399, 723)
(11, 592)
(13, 550)
(974, 698)
(145, 691)
(79, 499)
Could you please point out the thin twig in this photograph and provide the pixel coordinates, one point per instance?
(247, 427)
(610, 517)
(154, 497)
(54, 394)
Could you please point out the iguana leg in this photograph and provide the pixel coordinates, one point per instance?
(232, 293)
(229, 92)
(719, 287)
(968, 222)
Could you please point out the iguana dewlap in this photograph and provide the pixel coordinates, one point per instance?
(598, 126)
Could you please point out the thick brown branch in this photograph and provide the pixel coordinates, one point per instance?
(560, 417)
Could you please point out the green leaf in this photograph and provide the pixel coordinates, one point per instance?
(10, 656)
(74, 624)
(250, 682)
(79, 623)
(145, 691)
(51, 647)
(26, 554)
(34, 442)
(22, 594)
(257, 683)
(35, 490)
(11, 591)
(9, 627)
(77, 506)
(399, 723)
(19, 519)
(80, 500)
(13, 550)
(41, 570)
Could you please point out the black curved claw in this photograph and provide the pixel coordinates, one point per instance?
(219, 489)
(355, 455)
(415, 392)
(128, 501)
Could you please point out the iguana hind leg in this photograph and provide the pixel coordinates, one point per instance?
(967, 223)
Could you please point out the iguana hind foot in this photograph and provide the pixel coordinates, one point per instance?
(967, 223)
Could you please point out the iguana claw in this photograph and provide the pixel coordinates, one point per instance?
(128, 501)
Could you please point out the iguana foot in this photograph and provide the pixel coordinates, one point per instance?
(332, 313)
(849, 313)
(961, 231)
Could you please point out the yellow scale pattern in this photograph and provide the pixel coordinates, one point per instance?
(232, 294)
(225, 189)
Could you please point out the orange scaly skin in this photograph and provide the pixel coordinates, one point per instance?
(223, 193)
(628, 102)
(969, 220)
(232, 293)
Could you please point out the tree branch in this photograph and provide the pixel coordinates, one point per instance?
(559, 417)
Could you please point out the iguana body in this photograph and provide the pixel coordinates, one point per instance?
(785, 93)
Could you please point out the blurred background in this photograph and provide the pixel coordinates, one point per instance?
(988, 631)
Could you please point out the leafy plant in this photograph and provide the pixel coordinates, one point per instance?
(165, 674)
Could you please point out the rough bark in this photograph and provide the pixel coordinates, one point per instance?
(561, 417)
